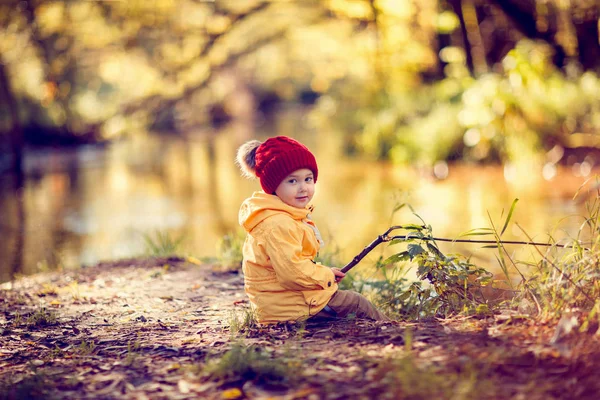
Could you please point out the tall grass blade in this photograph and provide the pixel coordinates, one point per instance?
(583, 185)
(398, 208)
(509, 216)
(476, 232)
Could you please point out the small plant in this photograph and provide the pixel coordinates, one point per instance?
(229, 251)
(47, 290)
(249, 363)
(40, 318)
(57, 352)
(18, 319)
(86, 348)
(395, 295)
(241, 324)
(75, 291)
(132, 353)
(162, 244)
(448, 284)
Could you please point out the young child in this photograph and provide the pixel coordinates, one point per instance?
(282, 280)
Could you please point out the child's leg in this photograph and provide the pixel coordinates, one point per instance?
(345, 302)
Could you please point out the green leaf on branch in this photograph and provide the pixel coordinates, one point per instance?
(414, 250)
(403, 256)
(413, 226)
(432, 248)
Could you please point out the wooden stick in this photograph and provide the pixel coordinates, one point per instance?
(362, 254)
(487, 241)
(386, 238)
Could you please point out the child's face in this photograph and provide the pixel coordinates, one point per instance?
(297, 189)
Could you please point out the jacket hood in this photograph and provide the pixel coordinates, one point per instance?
(261, 206)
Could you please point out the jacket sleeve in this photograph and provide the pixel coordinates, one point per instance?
(283, 245)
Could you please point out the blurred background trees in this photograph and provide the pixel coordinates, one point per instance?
(413, 81)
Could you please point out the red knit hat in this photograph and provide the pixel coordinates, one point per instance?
(278, 157)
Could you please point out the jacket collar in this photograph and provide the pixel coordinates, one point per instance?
(261, 205)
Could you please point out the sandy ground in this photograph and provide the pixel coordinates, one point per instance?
(145, 329)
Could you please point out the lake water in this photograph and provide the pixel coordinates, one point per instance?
(90, 204)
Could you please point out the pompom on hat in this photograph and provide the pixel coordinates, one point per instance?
(274, 159)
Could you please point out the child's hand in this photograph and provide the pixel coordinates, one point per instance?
(339, 275)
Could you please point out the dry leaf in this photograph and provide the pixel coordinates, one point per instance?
(231, 394)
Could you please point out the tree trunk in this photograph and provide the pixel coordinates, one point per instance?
(457, 8)
(15, 132)
(522, 16)
(589, 47)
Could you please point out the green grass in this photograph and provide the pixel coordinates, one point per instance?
(163, 244)
(86, 347)
(563, 280)
(240, 324)
(37, 319)
(133, 354)
(560, 279)
(249, 363)
(229, 250)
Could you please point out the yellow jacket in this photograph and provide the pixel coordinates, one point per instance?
(280, 277)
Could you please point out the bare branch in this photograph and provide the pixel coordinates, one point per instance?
(158, 102)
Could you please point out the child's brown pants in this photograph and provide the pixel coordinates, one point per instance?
(346, 302)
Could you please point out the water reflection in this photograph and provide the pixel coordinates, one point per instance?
(81, 206)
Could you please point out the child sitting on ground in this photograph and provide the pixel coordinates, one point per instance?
(282, 280)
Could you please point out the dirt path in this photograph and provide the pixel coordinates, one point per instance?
(144, 329)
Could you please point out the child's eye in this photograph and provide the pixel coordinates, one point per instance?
(292, 181)
(309, 179)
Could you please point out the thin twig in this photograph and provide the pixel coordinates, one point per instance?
(385, 237)
(504, 242)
